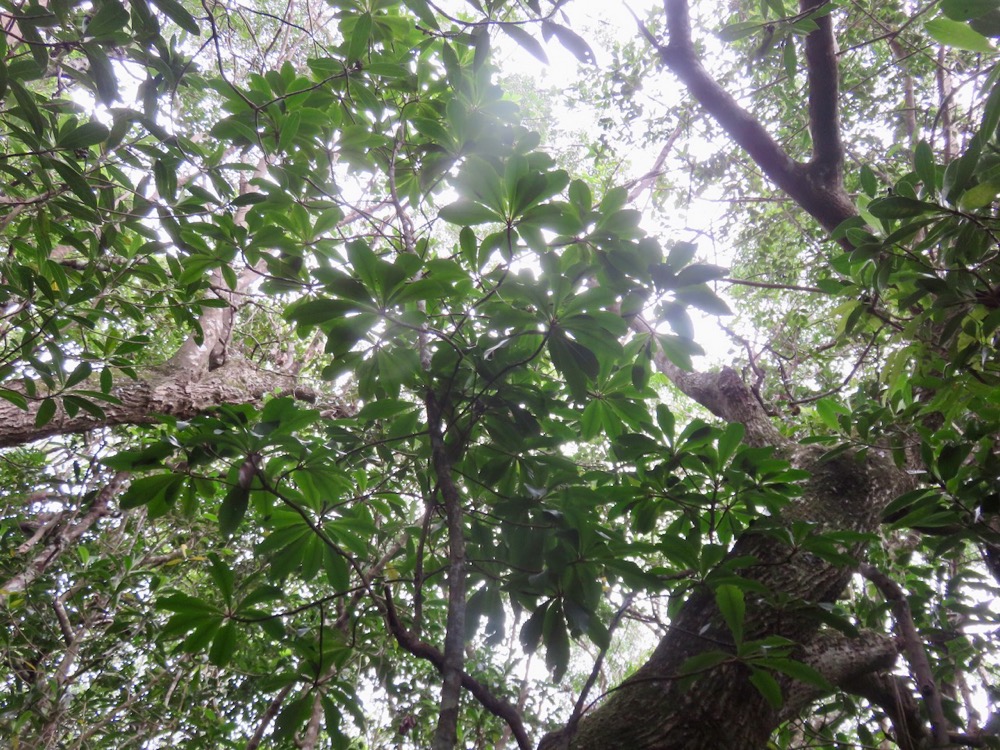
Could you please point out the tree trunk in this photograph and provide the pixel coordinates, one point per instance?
(722, 708)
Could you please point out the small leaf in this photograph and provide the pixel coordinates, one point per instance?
(110, 17)
(147, 489)
(798, 671)
(571, 41)
(703, 662)
(88, 134)
(531, 631)
(102, 73)
(923, 163)
(789, 58)
(46, 410)
(360, 36)
(468, 213)
(979, 196)
(966, 10)
(176, 13)
(900, 207)
(224, 645)
(699, 274)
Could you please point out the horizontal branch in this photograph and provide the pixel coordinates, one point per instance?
(168, 393)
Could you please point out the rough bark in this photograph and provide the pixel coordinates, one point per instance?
(723, 708)
(170, 393)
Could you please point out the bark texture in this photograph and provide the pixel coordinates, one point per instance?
(169, 392)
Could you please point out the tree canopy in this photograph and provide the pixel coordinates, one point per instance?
(350, 395)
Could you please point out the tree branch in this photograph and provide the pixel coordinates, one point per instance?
(446, 734)
(914, 649)
(64, 538)
(722, 393)
(827, 163)
(165, 392)
(423, 650)
(824, 199)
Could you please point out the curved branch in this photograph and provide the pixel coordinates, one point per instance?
(722, 393)
(423, 650)
(914, 648)
(815, 186)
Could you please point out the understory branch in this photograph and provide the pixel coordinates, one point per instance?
(423, 650)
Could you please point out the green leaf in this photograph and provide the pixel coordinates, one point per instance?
(360, 35)
(699, 274)
(701, 663)
(46, 410)
(923, 162)
(468, 213)
(731, 437)
(224, 645)
(29, 111)
(177, 13)
(110, 17)
(767, 686)
(958, 35)
(525, 40)
(88, 134)
(979, 196)
(147, 489)
(531, 631)
(571, 41)
(103, 75)
(789, 59)
(233, 509)
(729, 599)
(796, 670)
(966, 10)
(556, 639)
(899, 207)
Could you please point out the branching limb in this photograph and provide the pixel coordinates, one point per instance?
(914, 648)
(827, 164)
(64, 538)
(423, 650)
(722, 393)
(815, 186)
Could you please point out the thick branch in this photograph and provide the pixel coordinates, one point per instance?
(163, 393)
(816, 187)
(722, 393)
(446, 734)
(842, 661)
(827, 163)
